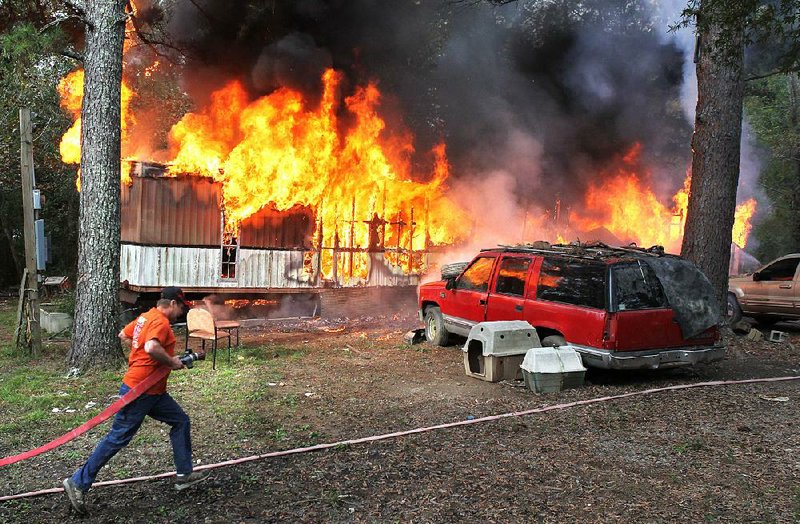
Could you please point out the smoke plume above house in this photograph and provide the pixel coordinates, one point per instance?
(580, 89)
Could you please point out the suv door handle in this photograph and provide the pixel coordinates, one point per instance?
(518, 307)
(482, 302)
(785, 286)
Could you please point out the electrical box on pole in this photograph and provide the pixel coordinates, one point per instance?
(28, 325)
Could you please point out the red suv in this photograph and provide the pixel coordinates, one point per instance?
(621, 308)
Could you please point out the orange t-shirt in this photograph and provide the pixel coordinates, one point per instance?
(153, 325)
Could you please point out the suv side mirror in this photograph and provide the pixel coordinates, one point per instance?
(757, 277)
(451, 283)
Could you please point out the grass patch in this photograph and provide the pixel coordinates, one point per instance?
(8, 320)
(232, 407)
(694, 444)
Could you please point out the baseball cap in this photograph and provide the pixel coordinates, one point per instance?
(176, 294)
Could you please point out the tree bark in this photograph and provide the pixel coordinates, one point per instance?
(95, 342)
(716, 147)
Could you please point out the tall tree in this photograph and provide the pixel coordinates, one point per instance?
(95, 340)
(724, 30)
(715, 144)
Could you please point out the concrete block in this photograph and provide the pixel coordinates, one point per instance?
(415, 336)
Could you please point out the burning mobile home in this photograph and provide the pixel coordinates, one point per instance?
(275, 194)
(173, 233)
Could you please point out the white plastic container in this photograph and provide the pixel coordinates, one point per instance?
(551, 369)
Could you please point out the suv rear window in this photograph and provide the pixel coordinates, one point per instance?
(571, 282)
(635, 286)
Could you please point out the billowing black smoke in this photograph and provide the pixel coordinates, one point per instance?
(536, 90)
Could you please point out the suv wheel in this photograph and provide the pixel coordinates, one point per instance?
(435, 331)
(734, 311)
(553, 341)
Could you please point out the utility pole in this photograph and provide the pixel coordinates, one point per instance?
(31, 290)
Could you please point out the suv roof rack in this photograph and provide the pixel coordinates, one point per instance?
(590, 251)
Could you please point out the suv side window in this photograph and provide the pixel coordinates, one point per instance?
(783, 270)
(636, 286)
(476, 276)
(512, 275)
(571, 282)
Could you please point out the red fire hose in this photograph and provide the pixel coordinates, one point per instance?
(123, 401)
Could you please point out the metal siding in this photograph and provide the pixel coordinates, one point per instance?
(160, 266)
(181, 210)
(130, 203)
(383, 274)
(272, 268)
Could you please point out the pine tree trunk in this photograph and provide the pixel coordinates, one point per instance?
(716, 150)
(95, 342)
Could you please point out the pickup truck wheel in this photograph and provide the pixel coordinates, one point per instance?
(435, 331)
(553, 341)
(734, 311)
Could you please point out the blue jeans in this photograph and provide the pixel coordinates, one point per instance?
(162, 408)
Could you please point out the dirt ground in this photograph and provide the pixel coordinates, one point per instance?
(716, 454)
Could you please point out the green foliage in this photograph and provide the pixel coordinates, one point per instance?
(773, 110)
(66, 303)
(29, 71)
(775, 23)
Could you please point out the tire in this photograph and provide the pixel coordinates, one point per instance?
(435, 332)
(553, 341)
(453, 270)
(734, 311)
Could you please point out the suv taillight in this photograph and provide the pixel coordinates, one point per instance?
(610, 332)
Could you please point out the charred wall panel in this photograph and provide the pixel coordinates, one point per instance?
(171, 211)
(269, 228)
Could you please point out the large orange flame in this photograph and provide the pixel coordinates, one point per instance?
(742, 226)
(276, 150)
(70, 89)
(624, 204)
(279, 151)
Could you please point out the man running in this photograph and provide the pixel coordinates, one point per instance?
(152, 345)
